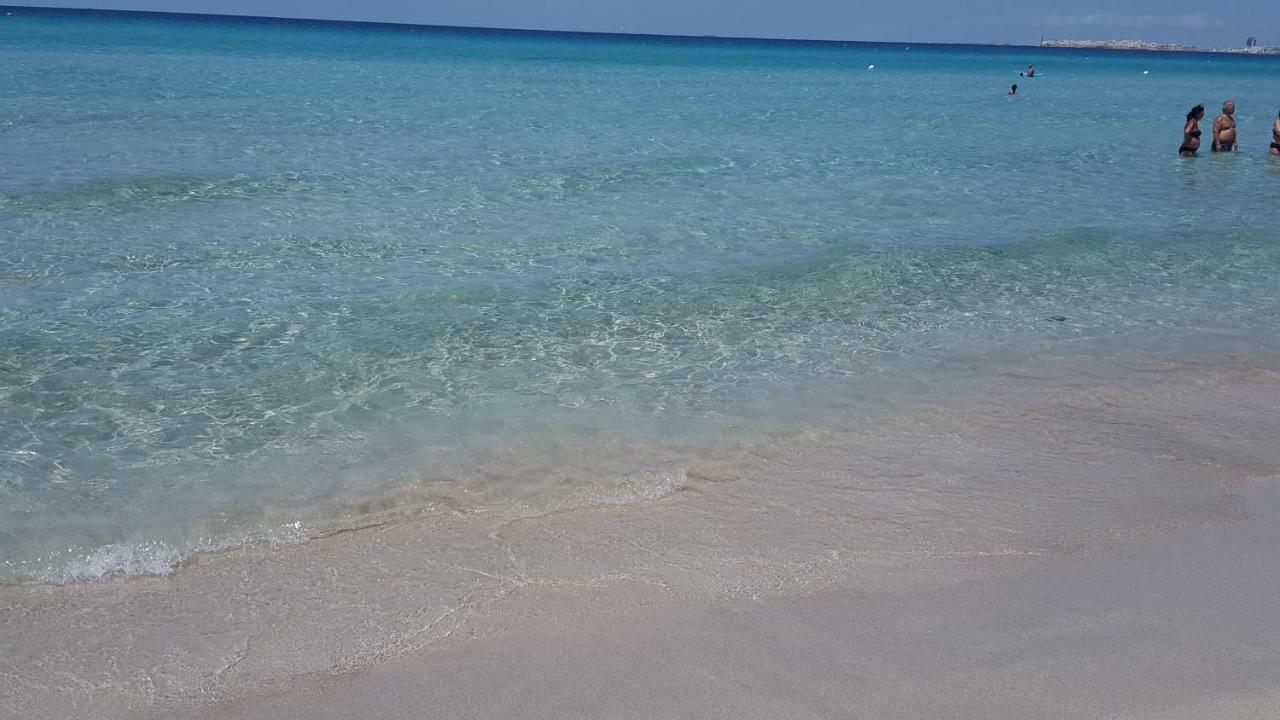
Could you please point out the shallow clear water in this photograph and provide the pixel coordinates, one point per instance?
(263, 280)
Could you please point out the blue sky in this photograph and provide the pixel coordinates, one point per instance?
(988, 21)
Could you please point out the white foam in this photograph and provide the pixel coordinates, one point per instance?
(146, 558)
(645, 486)
(158, 558)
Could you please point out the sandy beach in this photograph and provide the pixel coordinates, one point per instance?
(1058, 545)
(1141, 632)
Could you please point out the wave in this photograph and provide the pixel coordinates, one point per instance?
(158, 558)
(147, 557)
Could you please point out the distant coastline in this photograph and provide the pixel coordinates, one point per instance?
(1153, 47)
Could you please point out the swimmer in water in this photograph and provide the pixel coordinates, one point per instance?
(1191, 132)
(1275, 137)
(1224, 129)
(1013, 90)
(1031, 71)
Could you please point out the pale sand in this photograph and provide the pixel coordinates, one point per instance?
(1184, 626)
(1062, 544)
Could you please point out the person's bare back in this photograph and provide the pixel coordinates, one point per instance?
(1275, 137)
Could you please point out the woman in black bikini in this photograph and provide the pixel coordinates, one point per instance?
(1191, 132)
(1275, 137)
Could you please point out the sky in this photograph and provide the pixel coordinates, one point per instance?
(1224, 24)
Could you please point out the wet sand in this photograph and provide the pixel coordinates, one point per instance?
(1072, 540)
(1186, 626)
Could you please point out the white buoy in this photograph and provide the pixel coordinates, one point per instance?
(1146, 72)
(871, 67)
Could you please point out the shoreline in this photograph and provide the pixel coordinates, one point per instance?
(1128, 632)
(1045, 464)
(595, 471)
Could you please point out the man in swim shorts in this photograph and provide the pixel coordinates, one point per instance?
(1224, 128)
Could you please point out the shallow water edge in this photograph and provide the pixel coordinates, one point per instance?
(1048, 460)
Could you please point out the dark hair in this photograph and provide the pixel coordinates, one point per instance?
(1197, 110)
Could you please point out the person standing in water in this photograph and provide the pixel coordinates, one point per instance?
(1031, 71)
(1224, 128)
(1191, 132)
(1013, 90)
(1275, 137)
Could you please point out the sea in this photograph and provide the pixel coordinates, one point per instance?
(262, 281)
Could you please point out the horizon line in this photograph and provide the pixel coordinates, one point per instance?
(483, 29)
(598, 34)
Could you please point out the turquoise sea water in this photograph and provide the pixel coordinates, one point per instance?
(262, 280)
